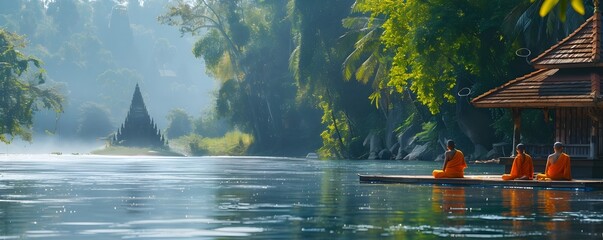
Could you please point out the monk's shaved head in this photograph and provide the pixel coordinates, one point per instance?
(450, 144)
(521, 147)
(558, 145)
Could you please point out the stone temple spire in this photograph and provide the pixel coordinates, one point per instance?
(139, 130)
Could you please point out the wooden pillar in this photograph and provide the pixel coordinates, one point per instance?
(594, 132)
(593, 142)
(516, 129)
(595, 84)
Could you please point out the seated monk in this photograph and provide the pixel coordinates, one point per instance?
(522, 168)
(557, 165)
(454, 163)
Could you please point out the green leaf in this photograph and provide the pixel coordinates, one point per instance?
(563, 10)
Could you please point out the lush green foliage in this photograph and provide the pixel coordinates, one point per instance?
(245, 45)
(408, 59)
(96, 51)
(180, 124)
(95, 121)
(233, 143)
(21, 89)
(548, 5)
(210, 125)
(431, 55)
(297, 75)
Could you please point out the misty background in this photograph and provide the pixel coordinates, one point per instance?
(94, 53)
(344, 79)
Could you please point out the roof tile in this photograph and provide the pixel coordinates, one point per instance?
(542, 88)
(580, 47)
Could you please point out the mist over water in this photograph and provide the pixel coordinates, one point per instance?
(52, 144)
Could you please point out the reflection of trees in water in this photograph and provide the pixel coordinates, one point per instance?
(19, 209)
(13, 216)
(449, 199)
(261, 198)
(135, 202)
(136, 192)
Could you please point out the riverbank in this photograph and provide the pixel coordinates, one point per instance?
(133, 151)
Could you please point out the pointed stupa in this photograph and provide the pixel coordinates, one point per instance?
(139, 130)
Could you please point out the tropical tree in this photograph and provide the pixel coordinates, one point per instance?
(369, 61)
(220, 19)
(118, 98)
(94, 122)
(22, 89)
(537, 32)
(317, 60)
(548, 5)
(221, 47)
(180, 124)
(245, 45)
(441, 47)
(65, 14)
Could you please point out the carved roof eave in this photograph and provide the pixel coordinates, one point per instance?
(495, 98)
(586, 102)
(476, 101)
(568, 65)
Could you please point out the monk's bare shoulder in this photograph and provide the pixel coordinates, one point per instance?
(450, 154)
(553, 157)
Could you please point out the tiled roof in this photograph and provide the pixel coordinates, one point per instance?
(543, 88)
(580, 47)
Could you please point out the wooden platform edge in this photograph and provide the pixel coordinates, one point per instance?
(485, 181)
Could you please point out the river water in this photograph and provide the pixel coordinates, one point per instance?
(94, 197)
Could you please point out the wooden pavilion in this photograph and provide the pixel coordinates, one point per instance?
(567, 81)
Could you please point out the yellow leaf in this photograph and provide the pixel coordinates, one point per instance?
(547, 6)
(578, 6)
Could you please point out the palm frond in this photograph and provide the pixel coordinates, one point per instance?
(366, 71)
(349, 65)
(294, 62)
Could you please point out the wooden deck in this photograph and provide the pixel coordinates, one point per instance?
(485, 181)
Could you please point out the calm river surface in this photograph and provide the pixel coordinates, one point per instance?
(93, 197)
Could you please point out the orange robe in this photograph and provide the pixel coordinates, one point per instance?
(560, 170)
(522, 166)
(454, 168)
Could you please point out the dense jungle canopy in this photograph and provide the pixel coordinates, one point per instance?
(348, 79)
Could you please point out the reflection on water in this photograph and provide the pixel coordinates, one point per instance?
(449, 199)
(520, 205)
(556, 205)
(90, 197)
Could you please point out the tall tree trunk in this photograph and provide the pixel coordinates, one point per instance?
(344, 153)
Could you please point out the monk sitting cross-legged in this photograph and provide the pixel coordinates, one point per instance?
(454, 163)
(557, 165)
(522, 168)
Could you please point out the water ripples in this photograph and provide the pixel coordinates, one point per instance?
(91, 197)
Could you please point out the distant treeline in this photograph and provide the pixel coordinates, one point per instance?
(94, 53)
(343, 77)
